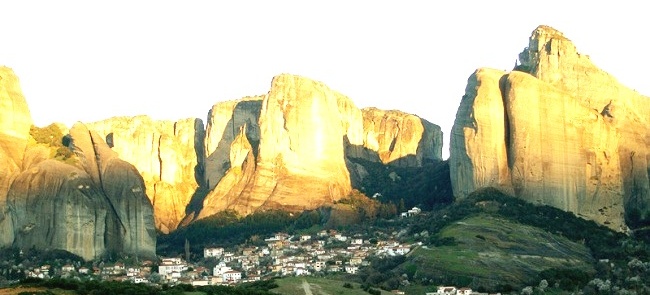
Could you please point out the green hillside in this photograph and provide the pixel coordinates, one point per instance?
(489, 251)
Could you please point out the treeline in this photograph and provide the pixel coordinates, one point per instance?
(426, 187)
(224, 229)
(95, 287)
(382, 272)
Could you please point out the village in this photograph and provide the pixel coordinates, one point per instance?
(326, 252)
(283, 255)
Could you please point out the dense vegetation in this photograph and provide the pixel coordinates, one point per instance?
(603, 243)
(125, 288)
(53, 137)
(225, 229)
(426, 187)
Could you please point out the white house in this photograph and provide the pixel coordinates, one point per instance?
(402, 250)
(357, 242)
(212, 252)
(170, 266)
(446, 290)
(305, 238)
(231, 276)
(464, 291)
(220, 269)
(351, 269)
(200, 282)
(300, 271)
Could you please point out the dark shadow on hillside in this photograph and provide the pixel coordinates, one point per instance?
(424, 186)
(196, 202)
(214, 166)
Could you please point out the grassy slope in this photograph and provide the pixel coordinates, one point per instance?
(494, 251)
(317, 286)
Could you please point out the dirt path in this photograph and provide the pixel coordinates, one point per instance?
(306, 287)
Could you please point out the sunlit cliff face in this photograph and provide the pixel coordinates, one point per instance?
(557, 131)
(283, 150)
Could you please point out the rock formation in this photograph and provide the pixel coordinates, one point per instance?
(400, 139)
(168, 155)
(300, 160)
(15, 121)
(91, 205)
(556, 131)
(289, 149)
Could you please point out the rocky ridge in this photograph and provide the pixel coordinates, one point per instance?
(557, 131)
(288, 149)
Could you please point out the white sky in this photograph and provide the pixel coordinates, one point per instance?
(91, 60)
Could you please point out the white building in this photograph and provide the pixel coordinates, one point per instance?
(231, 276)
(305, 238)
(212, 252)
(351, 269)
(169, 266)
(411, 212)
(446, 290)
(200, 282)
(220, 269)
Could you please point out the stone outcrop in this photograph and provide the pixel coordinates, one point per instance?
(15, 121)
(557, 131)
(90, 208)
(290, 148)
(168, 155)
(225, 120)
(299, 163)
(91, 204)
(400, 139)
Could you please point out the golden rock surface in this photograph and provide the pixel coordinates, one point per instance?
(557, 131)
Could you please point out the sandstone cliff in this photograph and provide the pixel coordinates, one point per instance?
(299, 163)
(557, 131)
(90, 204)
(400, 139)
(168, 155)
(15, 120)
(290, 148)
(293, 149)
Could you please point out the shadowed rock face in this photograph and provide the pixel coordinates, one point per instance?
(559, 131)
(168, 155)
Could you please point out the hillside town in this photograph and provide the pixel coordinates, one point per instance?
(283, 255)
(326, 252)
